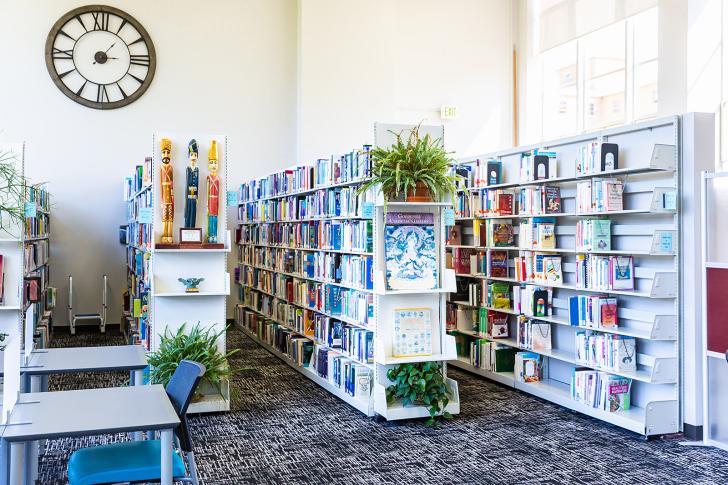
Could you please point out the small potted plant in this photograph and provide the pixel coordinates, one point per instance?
(198, 345)
(421, 384)
(414, 169)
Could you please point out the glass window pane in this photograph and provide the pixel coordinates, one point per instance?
(604, 50)
(645, 36)
(605, 99)
(645, 96)
(559, 91)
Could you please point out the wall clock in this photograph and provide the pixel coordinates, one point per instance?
(100, 57)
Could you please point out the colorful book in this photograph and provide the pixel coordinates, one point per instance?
(410, 251)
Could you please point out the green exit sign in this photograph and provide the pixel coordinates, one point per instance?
(448, 112)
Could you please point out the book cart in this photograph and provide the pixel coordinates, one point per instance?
(283, 321)
(157, 301)
(647, 228)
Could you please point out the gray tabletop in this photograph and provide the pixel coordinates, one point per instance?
(49, 415)
(85, 359)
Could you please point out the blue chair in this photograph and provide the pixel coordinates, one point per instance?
(138, 461)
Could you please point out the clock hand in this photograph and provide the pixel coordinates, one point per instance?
(107, 50)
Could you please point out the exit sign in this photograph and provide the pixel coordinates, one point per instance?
(448, 112)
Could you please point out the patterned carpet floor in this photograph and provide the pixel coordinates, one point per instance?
(285, 429)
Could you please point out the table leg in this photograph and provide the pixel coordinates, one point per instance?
(31, 448)
(4, 462)
(167, 450)
(17, 452)
(137, 378)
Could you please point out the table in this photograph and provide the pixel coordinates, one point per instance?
(69, 360)
(86, 412)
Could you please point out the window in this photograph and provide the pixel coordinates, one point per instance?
(605, 75)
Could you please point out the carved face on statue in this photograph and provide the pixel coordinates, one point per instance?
(192, 152)
(212, 166)
(212, 158)
(165, 144)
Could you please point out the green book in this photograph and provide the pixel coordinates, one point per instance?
(505, 359)
(483, 321)
(601, 235)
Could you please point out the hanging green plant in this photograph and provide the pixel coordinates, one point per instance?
(198, 345)
(420, 384)
(13, 187)
(414, 169)
(2, 339)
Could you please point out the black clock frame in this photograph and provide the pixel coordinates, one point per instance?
(56, 30)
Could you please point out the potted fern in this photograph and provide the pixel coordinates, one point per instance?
(199, 345)
(414, 169)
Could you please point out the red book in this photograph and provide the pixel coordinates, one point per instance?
(461, 259)
(505, 204)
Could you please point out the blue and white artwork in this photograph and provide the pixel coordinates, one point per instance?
(410, 252)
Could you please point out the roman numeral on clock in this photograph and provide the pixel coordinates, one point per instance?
(102, 95)
(62, 54)
(101, 20)
(139, 59)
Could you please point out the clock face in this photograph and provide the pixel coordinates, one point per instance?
(100, 57)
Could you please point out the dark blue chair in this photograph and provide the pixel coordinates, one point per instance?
(138, 461)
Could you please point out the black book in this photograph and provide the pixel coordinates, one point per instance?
(540, 167)
(609, 157)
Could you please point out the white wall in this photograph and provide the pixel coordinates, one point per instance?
(399, 61)
(227, 66)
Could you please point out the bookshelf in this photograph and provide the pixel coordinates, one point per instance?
(156, 301)
(37, 292)
(291, 260)
(647, 228)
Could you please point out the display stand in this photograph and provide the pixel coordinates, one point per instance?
(158, 302)
(647, 228)
(276, 317)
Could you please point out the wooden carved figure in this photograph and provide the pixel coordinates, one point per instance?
(213, 194)
(192, 184)
(167, 191)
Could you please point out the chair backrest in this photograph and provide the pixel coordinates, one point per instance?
(180, 389)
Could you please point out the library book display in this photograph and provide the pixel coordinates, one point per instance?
(172, 240)
(323, 280)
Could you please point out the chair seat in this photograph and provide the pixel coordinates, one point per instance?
(120, 462)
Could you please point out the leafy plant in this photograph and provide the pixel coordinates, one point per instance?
(420, 384)
(2, 339)
(411, 159)
(198, 345)
(13, 186)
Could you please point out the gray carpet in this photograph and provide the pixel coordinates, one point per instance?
(285, 429)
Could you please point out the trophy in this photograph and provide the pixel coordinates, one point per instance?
(213, 196)
(167, 194)
(189, 234)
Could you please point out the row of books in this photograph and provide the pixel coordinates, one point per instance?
(354, 235)
(139, 235)
(38, 195)
(328, 299)
(38, 226)
(537, 165)
(481, 321)
(533, 334)
(477, 173)
(604, 272)
(339, 370)
(539, 200)
(325, 203)
(352, 166)
(616, 353)
(593, 311)
(346, 269)
(540, 268)
(36, 254)
(494, 295)
(134, 205)
(484, 202)
(599, 195)
(537, 233)
(597, 157)
(141, 178)
(594, 235)
(492, 356)
(601, 390)
(491, 263)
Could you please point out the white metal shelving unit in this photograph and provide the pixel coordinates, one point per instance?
(169, 306)
(649, 164)
(384, 300)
